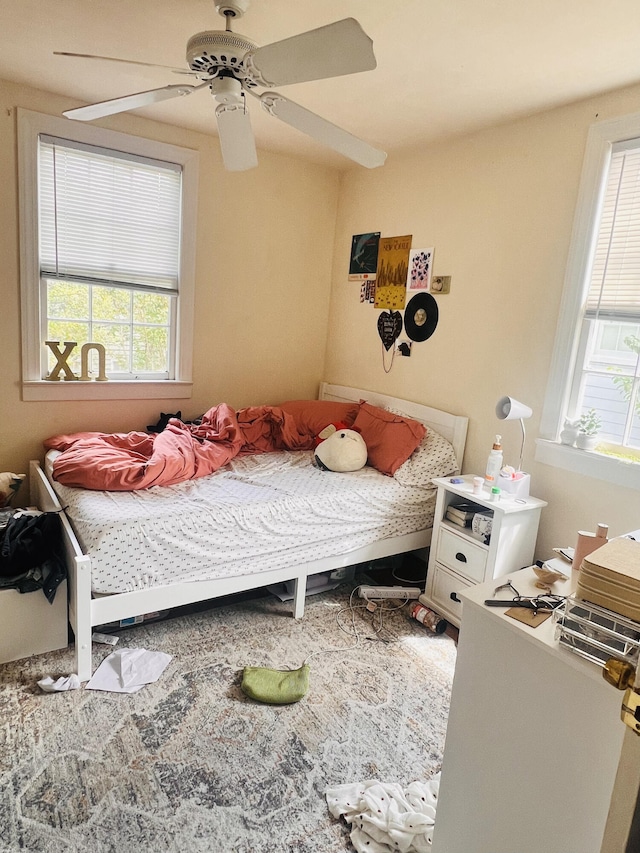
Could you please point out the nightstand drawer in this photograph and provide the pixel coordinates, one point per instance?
(461, 555)
(444, 588)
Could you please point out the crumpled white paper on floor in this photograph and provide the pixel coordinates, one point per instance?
(65, 682)
(128, 670)
(385, 817)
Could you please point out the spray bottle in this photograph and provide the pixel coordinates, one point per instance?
(494, 463)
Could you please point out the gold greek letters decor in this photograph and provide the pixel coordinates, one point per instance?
(62, 366)
(84, 358)
(61, 360)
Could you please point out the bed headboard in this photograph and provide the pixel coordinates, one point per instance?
(452, 427)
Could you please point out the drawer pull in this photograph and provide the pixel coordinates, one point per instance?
(460, 556)
(453, 596)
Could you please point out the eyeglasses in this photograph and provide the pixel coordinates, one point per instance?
(546, 603)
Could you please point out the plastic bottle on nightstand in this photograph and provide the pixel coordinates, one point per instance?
(494, 463)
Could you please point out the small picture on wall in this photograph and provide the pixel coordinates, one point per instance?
(364, 256)
(440, 284)
(391, 275)
(420, 266)
(368, 291)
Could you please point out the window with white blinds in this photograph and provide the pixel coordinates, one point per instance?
(108, 224)
(106, 216)
(594, 381)
(607, 371)
(614, 290)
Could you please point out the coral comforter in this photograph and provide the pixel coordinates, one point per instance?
(136, 460)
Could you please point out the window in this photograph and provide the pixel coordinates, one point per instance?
(107, 258)
(597, 355)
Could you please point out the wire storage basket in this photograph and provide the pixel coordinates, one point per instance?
(595, 633)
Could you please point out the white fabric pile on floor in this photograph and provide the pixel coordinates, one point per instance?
(387, 818)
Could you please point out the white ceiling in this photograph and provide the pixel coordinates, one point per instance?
(444, 66)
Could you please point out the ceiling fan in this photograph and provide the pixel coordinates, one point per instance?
(232, 67)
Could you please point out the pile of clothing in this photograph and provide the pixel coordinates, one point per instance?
(31, 555)
(385, 817)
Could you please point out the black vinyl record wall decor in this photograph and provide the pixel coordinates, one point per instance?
(421, 317)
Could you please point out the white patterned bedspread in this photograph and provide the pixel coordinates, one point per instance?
(258, 513)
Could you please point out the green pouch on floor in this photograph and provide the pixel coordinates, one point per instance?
(275, 686)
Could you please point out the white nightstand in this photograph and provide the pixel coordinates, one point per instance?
(458, 560)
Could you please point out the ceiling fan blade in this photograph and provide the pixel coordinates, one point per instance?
(236, 137)
(130, 102)
(329, 51)
(324, 131)
(125, 62)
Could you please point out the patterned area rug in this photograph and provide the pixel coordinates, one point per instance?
(191, 764)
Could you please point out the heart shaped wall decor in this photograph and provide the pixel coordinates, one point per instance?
(389, 327)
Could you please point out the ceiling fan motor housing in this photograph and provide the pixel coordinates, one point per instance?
(212, 50)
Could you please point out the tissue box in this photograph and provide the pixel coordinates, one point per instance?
(610, 577)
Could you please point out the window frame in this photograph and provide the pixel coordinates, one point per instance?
(601, 138)
(34, 387)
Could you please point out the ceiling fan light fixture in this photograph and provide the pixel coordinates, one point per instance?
(227, 90)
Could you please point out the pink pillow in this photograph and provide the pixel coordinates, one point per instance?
(312, 416)
(390, 439)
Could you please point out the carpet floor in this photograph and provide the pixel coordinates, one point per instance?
(191, 764)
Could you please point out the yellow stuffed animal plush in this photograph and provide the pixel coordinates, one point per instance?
(9, 485)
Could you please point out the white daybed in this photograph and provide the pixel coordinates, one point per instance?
(88, 608)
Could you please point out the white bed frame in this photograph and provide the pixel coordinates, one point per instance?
(85, 612)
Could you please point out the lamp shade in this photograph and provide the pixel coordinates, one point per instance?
(508, 409)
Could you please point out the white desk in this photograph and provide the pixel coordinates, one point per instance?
(533, 739)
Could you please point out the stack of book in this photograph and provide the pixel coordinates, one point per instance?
(610, 577)
(462, 514)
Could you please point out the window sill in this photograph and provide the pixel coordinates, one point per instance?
(112, 390)
(589, 463)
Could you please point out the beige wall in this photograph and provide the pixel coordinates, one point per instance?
(264, 249)
(498, 208)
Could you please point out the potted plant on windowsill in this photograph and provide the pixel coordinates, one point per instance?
(589, 427)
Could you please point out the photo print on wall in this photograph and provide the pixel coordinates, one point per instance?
(368, 291)
(420, 266)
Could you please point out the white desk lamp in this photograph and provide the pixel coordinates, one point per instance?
(508, 409)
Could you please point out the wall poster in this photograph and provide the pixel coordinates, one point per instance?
(392, 271)
(420, 266)
(364, 256)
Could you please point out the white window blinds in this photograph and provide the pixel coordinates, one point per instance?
(614, 291)
(106, 217)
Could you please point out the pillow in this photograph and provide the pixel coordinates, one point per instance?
(390, 438)
(433, 457)
(312, 416)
